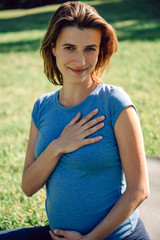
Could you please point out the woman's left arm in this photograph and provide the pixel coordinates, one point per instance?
(131, 149)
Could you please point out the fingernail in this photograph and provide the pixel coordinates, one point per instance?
(96, 110)
(102, 117)
(99, 137)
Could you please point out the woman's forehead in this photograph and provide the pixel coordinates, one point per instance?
(76, 36)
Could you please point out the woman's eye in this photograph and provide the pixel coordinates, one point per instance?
(90, 49)
(69, 48)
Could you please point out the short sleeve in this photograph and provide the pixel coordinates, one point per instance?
(34, 114)
(118, 101)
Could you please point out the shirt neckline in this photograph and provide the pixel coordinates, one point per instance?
(75, 108)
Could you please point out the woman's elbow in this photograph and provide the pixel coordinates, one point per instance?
(138, 194)
(25, 190)
(143, 193)
(146, 192)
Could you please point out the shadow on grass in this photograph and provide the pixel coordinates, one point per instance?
(143, 17)
(20, 46)
(28, 22)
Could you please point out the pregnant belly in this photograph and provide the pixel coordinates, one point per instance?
(76, 201)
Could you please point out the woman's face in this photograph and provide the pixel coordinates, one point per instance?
(76, 53)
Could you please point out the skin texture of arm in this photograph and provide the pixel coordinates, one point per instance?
(131, 148)
(37, 171)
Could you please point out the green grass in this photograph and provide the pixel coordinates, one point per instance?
(135, 67)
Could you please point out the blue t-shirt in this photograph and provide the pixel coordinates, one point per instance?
(86, 183)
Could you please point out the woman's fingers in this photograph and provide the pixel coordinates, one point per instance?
(74, 134)
(56, 237)
(75, 119)
(59, 234)
(93, 122)
(86, 120)
(88, 141)
(88, 117)
(93, 130)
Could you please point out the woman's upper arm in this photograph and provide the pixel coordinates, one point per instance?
(131, 148)
(30, 153)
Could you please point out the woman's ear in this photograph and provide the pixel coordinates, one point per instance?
(53, 49)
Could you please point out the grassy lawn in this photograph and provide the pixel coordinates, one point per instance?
(135, 67)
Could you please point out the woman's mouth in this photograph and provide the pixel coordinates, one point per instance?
(78, 71)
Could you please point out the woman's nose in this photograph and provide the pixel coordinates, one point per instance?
(80, 59)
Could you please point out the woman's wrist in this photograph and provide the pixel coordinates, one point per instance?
(57, 148)
(86, 237)
(89, 236)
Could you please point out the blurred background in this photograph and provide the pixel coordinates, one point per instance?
(10, 4)
(135, 67)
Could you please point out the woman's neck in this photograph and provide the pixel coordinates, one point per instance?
(71, 95)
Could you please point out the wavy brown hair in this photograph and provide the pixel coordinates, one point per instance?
(82, 16)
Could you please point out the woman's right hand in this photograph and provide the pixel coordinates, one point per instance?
(75, 134)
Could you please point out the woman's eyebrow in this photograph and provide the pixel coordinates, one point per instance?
(72, 45)
(91, 46)
(69, 44)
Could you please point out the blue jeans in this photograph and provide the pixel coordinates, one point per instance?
(42, 233)
(139, 232)
(33, 233)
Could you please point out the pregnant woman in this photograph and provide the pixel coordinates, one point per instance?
(85, 140)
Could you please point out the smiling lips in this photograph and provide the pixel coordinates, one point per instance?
(78, 71)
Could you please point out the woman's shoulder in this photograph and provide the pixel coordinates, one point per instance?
(113, 92)
(41, 105)
(112, 88)
(46, 98)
